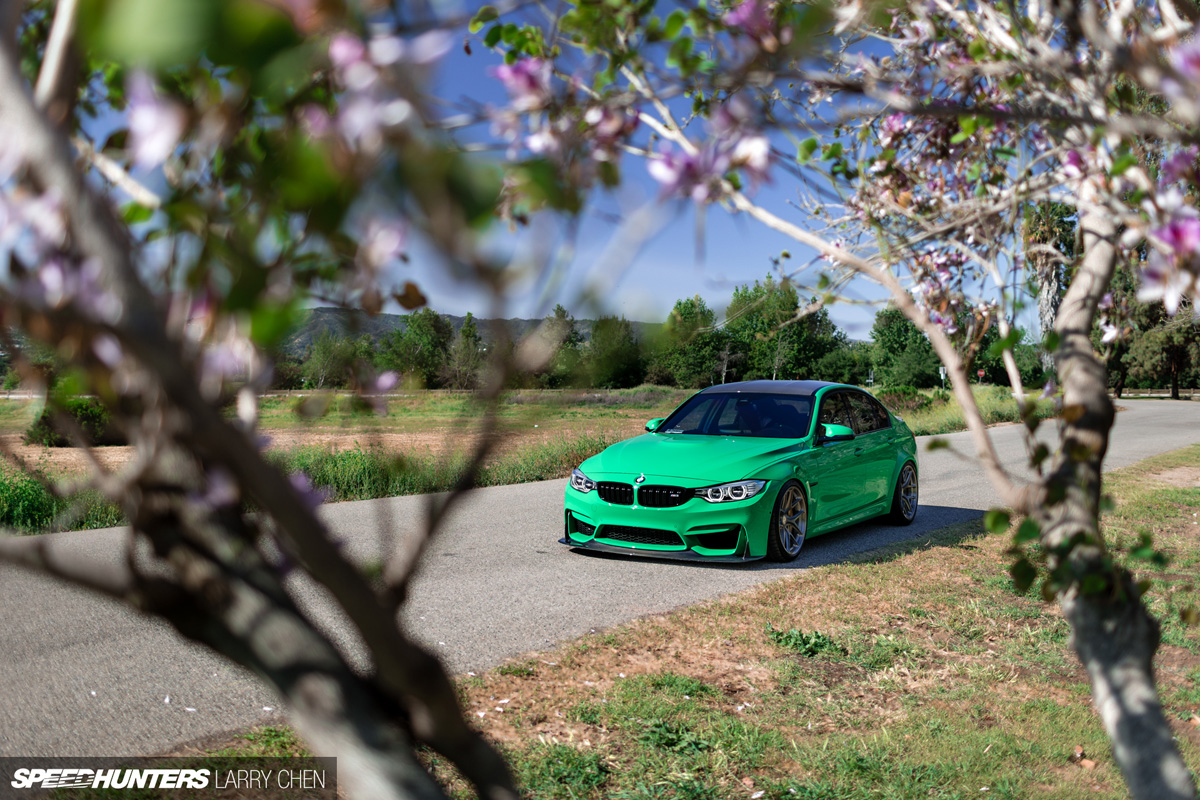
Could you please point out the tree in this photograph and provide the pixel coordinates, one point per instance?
(461, 370)
(1049, 240)
(329, 362)
(566, 344)
(850, 364)
(689, 351)
(1168, 353)
(901, 354)
(776, 337)
(420, 348)
(614, 360)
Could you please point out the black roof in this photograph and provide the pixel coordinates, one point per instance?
(806, 388)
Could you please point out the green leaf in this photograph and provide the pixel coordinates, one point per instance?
(978, 50)
(1122, 163)
(968, 123)
(483, 16)
(674, 24)
(1050, 341)
(996, 520)
(832, 151)
(492, 37)
(1023, 574)
(1027, 532)
(269, 323)
(937, 444)
(1189, 616)
(1007, 343)
(805, 152)
(1006, 152)
(1093, 584)
(133, 213)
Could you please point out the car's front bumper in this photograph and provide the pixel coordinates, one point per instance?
(694, 531)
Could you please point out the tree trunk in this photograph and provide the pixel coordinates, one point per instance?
(1113, 634)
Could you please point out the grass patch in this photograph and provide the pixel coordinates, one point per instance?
(996, 405)
(367, 473)
(27, 506)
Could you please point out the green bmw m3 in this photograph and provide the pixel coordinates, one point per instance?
(744, 471)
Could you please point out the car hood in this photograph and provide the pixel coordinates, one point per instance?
(689, 456)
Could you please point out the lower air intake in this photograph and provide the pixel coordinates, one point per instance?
(626, 533)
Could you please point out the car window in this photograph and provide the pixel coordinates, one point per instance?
(834, 411)
(742, 414)
(867, 413)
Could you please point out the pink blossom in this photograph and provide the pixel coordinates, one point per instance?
(1164, 281)
(1186, 59)
(1073, 164)
(753, 17)
(316, 121)
(1181, 234)
(697, 176)
(346, 50)
(382, 242)
(1178, 165)
(753, 153)
(155, 124)
(527, 82)
(385, 382)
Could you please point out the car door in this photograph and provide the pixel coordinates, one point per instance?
(874, 452)
(831, 466)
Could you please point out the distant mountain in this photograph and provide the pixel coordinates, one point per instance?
(345, 323)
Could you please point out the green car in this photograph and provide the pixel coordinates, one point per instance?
(744, 471)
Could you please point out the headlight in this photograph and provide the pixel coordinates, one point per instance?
(581, 482)
(727, 492)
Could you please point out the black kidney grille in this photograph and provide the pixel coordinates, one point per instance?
(663, 496)
(617, 493)
(626, 533)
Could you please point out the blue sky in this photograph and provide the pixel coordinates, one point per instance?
(737, 250)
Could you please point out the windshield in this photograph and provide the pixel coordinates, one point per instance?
(769, 416)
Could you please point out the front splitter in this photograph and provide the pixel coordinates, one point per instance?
(672, 555)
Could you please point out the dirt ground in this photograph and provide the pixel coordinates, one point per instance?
(433, 441)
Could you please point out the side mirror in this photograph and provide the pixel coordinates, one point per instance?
(836, 433)
(653, 424)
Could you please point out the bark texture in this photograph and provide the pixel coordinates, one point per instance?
(1112, 632)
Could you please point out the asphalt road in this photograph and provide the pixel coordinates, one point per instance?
(83, 676)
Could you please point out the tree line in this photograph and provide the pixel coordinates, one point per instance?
(762, 336)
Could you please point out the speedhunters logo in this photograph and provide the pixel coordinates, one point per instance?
(169, 777)
(59, 778)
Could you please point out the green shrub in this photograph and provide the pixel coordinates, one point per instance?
(903, 399)
(806, 644)
(12, 380)
(88, 412)
(28, 506)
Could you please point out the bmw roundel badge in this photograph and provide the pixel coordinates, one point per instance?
(640, 478)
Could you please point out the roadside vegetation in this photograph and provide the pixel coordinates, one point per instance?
(914, 671)
(363, 455)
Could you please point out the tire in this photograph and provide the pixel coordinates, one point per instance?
(789, 523)
(905, 496)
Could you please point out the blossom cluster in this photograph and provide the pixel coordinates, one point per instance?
(577, 133)
(1171, 272)
(734, 142)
